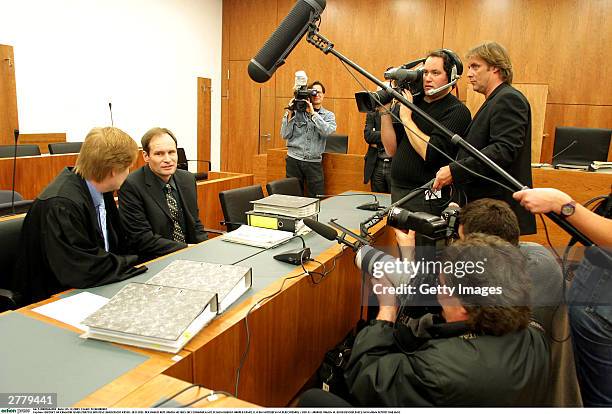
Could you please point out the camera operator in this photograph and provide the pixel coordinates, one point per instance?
(305, 127)
(480, 350)
(414, 162)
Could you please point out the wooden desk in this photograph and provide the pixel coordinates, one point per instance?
(158, 363)
(32, 174)
(290, 333)
(164, 386)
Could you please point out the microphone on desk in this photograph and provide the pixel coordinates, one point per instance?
(16, 134)
(371, 206)
(330, 233)
(571, 144)
(110, 109)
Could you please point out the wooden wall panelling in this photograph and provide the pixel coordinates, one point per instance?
(536, 95)
(9, 119)
(574, 115)
(260, 169)
(370, 33)
(225, 45)
(350, 122)
(243, 118)
(208, 197)
(224, 147)
(42, 140)
(33, 173)
(556, 42)
(250, 24)
(203, 107)
(343, 172)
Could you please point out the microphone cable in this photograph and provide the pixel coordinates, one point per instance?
(189, 404)
(258, 303)
(397, 118)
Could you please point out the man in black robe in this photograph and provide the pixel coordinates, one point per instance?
(72, 237)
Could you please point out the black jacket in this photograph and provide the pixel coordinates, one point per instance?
(371, 133)
(146, 217)
(460, 371)
(502, 131)
(62, 245)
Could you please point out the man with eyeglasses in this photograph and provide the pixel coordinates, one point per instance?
(306, 134)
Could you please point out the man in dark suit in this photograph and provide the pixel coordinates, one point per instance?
(158, 203)
(501, 130)
(377, 168)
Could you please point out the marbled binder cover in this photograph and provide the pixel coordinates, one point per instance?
(149, 310)
(212, 277)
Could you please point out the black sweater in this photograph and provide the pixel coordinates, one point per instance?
(408, 169)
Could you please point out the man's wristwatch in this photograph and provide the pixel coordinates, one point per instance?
(568, 209)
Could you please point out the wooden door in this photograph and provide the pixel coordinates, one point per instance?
(8, 96)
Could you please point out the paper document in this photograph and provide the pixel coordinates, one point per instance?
(73, 309)
(257, 236)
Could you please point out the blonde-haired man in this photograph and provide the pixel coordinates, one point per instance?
(501, 130)
(72, 237)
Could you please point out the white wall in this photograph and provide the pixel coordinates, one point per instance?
(73, 57)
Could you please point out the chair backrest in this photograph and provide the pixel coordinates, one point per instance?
(182, 159)
(6, 196)
(537, 95)
(10, 233)
(336, 144)
(235, 203)
(286, 186)
(8, 151)
(581, 146)
(65, 147)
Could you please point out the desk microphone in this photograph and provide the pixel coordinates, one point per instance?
(330, 233)
(371, 206)
(110, 109)
(16, 134)
(571, 144)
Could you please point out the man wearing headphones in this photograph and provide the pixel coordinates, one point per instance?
(414, 162)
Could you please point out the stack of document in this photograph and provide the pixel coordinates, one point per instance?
(171, 308)
(286, 205)
(257, 236)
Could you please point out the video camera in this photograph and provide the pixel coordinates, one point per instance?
(404, 77)
(301, 93)
(443, 227)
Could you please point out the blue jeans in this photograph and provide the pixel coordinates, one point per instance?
(590, 311)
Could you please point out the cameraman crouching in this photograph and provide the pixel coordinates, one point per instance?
(305, 127)
(480, 350)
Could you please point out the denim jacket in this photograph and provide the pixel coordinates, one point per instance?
(306, 136)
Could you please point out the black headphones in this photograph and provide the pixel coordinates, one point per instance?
(452, 65)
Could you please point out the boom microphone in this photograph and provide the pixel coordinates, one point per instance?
(283, 40)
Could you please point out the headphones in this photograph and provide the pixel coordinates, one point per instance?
(453, 65)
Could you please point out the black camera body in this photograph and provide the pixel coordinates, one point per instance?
(300, 97)
(444, 227)
(404, 78)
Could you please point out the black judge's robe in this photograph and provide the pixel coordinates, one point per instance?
(62, 245)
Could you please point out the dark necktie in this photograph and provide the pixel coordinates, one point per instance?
(177, 232)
